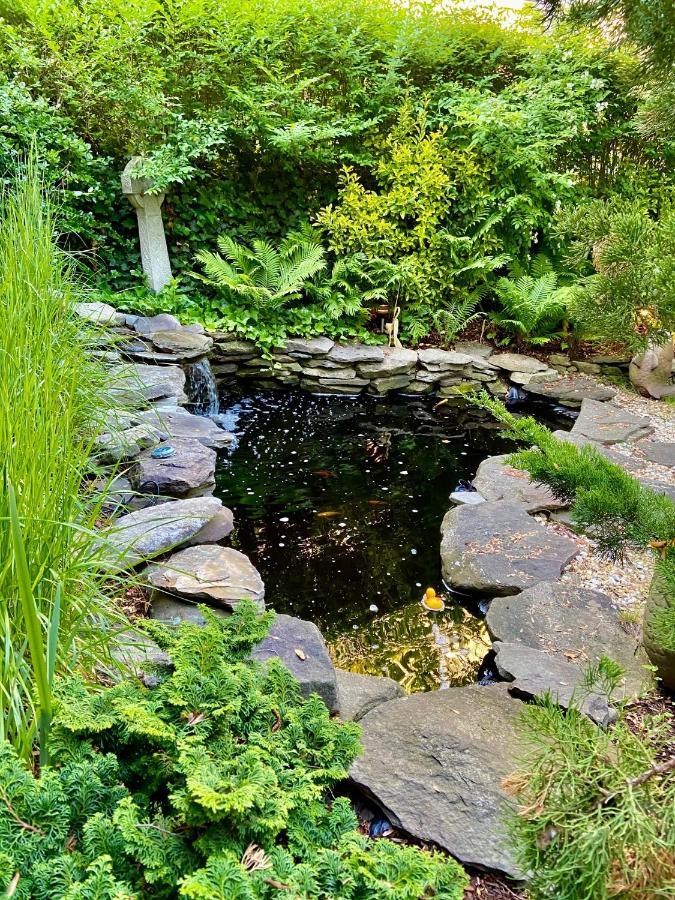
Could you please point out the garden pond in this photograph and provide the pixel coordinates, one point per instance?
(338, 502)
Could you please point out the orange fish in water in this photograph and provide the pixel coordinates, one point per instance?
(324, 473)
(377, 502)
(328, 514)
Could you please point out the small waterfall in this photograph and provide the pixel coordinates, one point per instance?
(201, 388)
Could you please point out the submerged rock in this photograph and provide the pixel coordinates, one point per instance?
(301, 648)
(497, 548)
(570, 624)
(496, 480)
(358, 694)
(218, 575)
(434, 762)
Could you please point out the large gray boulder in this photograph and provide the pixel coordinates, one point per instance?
(570, 624)
(190, 471)
(358, 694)
(605, 423)
(152, 531)
(435, 762)
(301, 648)
(532, 673)
(496, 548)
(179, 423)
(496, 480)
(220, 576)
(571, 390)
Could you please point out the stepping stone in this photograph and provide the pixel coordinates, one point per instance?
(608, 424)
(628, 463)
(496, 480)
(571, 390)
(496, 548)
(660, 452)
(99, 313)
(435, 761)
(300, 646)
(355, 353)
(397, 361)
(180, 423)
(570, 624)
(149, 532)
(532, 673)
(518, 362)
(358, 694)
(191, 470)
(209, 573)
(181, 344)
(137, 381)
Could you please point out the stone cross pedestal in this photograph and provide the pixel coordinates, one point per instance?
(154, 253)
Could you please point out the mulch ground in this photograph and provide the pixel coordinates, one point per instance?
(493, 887)
(655, 704)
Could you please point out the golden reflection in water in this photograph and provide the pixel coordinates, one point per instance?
(400, 644)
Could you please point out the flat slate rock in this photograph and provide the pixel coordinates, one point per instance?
(99, 313)
(179, 423)
(217, 575)
(358, 694)
(496, 548)
(318, 346)
(571, 390)
(394, 383)
(660, 452)
(435, 762)
(155, 530)
(191, 470)
(517, 362)
(532, 673)
(436, 360)
(355, 353)
(397, 361)
(149, 324)
(182, 344)
(571, 624)
(134, 381)
(301, 648)
(496, 480)
(115, 446)
(628, 463)
(171, 611)
(605, 423)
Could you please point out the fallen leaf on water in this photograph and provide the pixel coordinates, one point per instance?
(300, 653)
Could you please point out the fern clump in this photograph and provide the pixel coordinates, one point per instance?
(213, 784)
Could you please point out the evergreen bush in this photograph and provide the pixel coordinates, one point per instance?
(213, 784)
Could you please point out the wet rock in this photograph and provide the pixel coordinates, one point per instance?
(497, 548)
(518, 362)
(181, 344)
(356, 353)
(570, 624)
(394, 383)
(572, 389)
(220, 576)
(180, 423)
(161, 322)
(608, 424)
(358, 694)
(315, 671)
(318, 346)
(496, 480)
(136, 381)
(149, 532)
(189, 471)
(435, 761)
(99, 313)
(534, 672)
(397, 361)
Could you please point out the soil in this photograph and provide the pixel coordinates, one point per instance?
(493, 887)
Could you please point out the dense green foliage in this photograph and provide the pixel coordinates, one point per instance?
(53, 397)
(431, 146)
(590, 825)
(212, 784)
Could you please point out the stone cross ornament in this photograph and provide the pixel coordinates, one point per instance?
(148, 206)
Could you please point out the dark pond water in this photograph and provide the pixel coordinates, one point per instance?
(338, 502)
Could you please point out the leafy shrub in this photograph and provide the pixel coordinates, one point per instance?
(596, 818)
(212, 784)
(533, 305)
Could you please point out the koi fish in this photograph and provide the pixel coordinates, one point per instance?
(324, 473)
(328, 514)
(377, 502)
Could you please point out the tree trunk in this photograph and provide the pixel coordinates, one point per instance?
(651, 371)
